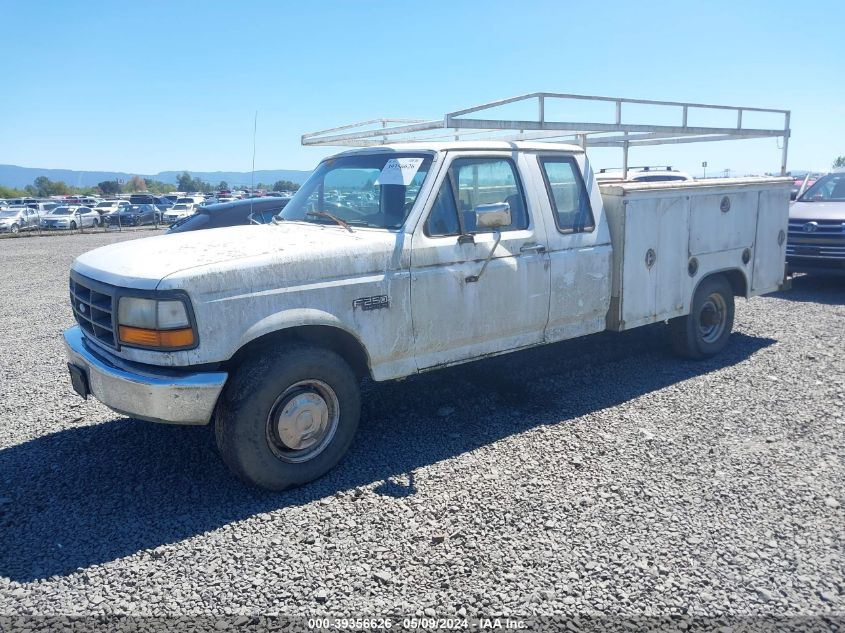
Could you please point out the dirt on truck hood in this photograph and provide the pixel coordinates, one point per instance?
(314, 251)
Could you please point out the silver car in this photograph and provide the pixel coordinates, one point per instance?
(18, 218)
(816, 242)
(70, 217)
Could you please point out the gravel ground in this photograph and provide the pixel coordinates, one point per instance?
(597, 476)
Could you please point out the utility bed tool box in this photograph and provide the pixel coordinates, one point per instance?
(667, 236)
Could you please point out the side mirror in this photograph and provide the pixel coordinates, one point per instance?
(493, 216)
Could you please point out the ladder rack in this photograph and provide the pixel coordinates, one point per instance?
(472, 123)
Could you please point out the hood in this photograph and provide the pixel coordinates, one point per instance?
(252, 253)
(817, 211)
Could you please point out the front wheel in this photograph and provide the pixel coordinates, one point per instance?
(706, 329)
(287, 416)
(73, 226)
(15, 229)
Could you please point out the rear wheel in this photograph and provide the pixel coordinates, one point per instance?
(287, 416)
(706, 329)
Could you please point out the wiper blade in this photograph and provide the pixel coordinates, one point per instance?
(331, 216)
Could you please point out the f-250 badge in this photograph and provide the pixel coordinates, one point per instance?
(371, 303)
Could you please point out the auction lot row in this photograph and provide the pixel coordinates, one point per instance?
(598, 476)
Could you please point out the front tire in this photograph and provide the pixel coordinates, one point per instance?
(704, 332)
(287, 416)
(15, 229)
(73, 226)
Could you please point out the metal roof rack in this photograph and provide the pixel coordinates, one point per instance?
(619, 132)
(657, 168)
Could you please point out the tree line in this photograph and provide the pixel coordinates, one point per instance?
(43, 187)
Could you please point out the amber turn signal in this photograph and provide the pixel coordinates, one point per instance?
(143, 337)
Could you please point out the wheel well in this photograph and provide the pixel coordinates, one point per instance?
(339, 341)
(737, 281)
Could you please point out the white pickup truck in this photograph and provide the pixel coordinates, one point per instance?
(400, 259)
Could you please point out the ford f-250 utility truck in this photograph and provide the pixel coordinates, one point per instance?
(401, 259)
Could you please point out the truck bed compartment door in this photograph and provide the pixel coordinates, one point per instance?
(770, 241)
(654, 278)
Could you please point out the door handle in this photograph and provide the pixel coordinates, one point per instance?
(532, 248)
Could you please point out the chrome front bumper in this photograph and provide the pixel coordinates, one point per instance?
(147, 392)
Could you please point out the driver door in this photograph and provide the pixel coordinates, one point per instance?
(455, 317)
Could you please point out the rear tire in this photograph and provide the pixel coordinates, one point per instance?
(704, 332)
(287, 416)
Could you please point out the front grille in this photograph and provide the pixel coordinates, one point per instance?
(822, 239)
(817, 228)
(816, 250)
(93, 306)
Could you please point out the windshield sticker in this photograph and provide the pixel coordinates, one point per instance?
(399, 171)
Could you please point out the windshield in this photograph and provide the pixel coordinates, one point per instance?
(186, 200)
(9, 214)
(62, 211)
(180, 207)
(374, 190)
(103, 205)
(826, 188)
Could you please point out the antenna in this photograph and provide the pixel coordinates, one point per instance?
(254, 131)
(252, 176)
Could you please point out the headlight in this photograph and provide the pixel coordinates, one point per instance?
(160, 324)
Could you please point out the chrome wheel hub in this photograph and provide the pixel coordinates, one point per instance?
(303, 421)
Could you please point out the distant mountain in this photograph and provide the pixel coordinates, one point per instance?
(19, 177)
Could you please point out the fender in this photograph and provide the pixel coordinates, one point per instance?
(294, 318)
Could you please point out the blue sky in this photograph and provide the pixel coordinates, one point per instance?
(146, 87)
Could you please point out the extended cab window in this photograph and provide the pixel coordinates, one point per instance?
(568, 195)
(472, 182)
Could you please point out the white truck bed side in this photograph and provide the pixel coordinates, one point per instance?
(668, 236)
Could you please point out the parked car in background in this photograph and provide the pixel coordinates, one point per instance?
(801, 184)
(234, 213)
(196, 200)
(162, 203)
(133, 215)
(650, 173)
(816, 240)
(15, 202)
(86, 201)
(109, 206)
(184, 207)
(70, 217)
(43, 208)
(3, 203)
(179, 210)
(18, 218)
(144, 198)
